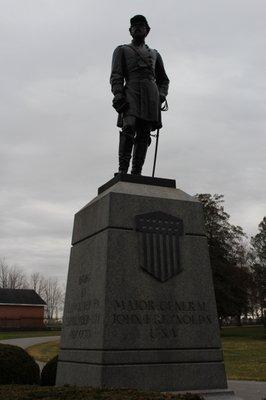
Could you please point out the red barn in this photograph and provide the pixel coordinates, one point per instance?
(21, 309)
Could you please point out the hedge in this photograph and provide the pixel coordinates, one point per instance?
(17, 366)
(48, 374)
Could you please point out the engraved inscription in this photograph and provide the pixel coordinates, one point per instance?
(164, 305)
(161, 318)
(80, 334)
(83, 315)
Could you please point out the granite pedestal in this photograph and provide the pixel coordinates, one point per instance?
(140, 309)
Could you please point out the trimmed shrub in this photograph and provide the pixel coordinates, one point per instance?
(48, 375)
(17, 366)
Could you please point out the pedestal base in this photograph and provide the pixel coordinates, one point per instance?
(154, 377)
(213, 394)
(140, 309)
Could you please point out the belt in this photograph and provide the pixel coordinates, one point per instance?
(139, 79)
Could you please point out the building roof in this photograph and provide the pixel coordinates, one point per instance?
(20, 296)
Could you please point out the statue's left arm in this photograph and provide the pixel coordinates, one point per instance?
(117, 80)
(117, 73)
(162, 79)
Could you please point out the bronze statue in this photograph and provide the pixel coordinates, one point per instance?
(140, 85)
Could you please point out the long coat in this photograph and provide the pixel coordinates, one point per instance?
(138, 73)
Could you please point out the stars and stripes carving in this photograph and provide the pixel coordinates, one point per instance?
(159, 244)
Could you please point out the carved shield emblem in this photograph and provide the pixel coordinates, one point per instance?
(159, 244)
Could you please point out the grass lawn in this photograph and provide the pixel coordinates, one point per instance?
(44, 351)
(26, 334)
(245, 352)
(16, 392)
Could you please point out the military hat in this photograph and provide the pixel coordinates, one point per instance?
(139, 19)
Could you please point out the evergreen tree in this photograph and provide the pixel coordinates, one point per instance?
(258, 266)
(228, 258)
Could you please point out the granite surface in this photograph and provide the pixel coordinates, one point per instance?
(161, 377)
(122, 326)
(140, 179)
(117, 206)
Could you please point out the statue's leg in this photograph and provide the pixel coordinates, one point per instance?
(142, 141)
(126, 141)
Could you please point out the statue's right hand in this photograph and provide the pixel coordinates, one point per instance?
(119, 103)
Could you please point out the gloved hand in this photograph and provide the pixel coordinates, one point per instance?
(119, 103)
(162, 98)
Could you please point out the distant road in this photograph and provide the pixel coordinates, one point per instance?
(27, 342)
(248, 390)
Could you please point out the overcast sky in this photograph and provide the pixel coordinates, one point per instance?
(58, 130)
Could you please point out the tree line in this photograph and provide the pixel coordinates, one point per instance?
(49, 289)
(238, 264)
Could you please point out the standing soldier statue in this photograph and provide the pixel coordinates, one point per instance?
(140, 85)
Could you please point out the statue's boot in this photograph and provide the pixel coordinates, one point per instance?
(139, 155)
(124, 151)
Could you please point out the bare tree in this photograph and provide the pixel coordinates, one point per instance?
(50, 291)
(17, 278)
(53, 296)
(11, 277)
(37, 282)
(3, 273)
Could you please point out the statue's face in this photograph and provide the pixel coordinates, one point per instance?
(138, 31)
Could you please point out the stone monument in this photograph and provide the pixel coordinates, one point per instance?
(140, 309)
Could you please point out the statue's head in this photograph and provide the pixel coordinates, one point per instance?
(139, 27)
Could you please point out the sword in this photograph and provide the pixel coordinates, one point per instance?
(156, 150)
(164, 107)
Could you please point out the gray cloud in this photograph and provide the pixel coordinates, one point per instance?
(58, 134)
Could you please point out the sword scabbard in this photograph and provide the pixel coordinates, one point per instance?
(156, 151)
